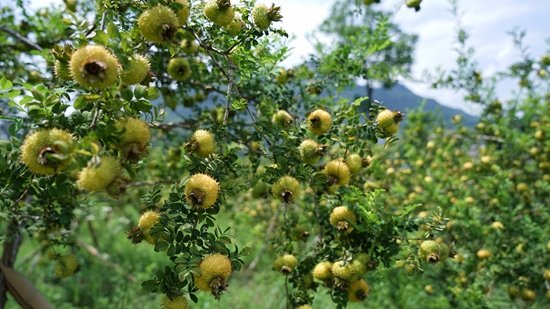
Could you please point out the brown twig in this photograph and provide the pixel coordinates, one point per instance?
(148, 183)
(95, 253)
(171, 125)
(21, 38)
(270, 230)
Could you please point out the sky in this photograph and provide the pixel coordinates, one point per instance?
(487, 21)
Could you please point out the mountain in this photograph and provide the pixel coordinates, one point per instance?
(400, 98)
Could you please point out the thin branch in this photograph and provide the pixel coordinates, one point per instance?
(270, 230)
(103, 17)
(209, 50)
(147, 183)
(96, 115)
(95, 253)
(171, 125)
(21, 38)
(317, 214)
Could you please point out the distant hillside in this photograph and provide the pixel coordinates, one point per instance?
(400, 98)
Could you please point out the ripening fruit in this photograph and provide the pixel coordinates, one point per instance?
(220, 12)
(414, 4)
(285, 264)
(282, 118)
(66, 266)
(201, 191)
(215, 270)
(179, 69)
(99, 174)
(323, 271)
(388, 121)
(263, 16)
(133, 142)
(337, 173)
(528, 295)
(158, 24)
(235, 26)
(146, 222)
(137, 70)
(178, 302)
(319, 122)
(282, 78)
(304, 307)
(310, 151)
(433, 252)
(286, 189)
(358, 291)
(183, 14)
(354, 162)
(547, 275)
(62, 70)
(189, 47)
(260, 190)
(343, 272)
(201, 143)
(484, 254)
(71, 5)
(94, 66)
(47, 151)
(341, 217)
(359, 264)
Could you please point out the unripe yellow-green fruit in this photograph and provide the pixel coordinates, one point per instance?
(433, 252)
(528, 295)
(137, 71)
(319, 122)
(158, 24)
(94, 66)
(323, 271)
(343, 272)
(414, 4)
(484, 254)
(178, 302)
(66, 266)
(47, 151)
(282, 118)
(100, 174)
(189, 47)
(220, 12)
(341, 217)
(201, 191)
(62, 70)
(260, 190)
(235, 26)
(358, 291)
(183, 14)
(71, 5)
(215, 270)
(359, 264)
(282, 78)
(337, 173)
(310, 151)
(134, 140)
(354, 162)
(388, 121)
(285, 263)
(286, 189)
(304, 307)
(179, 69)
(263, 16)
(146, 222)
(201, 143)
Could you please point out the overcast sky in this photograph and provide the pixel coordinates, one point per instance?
(487, 21)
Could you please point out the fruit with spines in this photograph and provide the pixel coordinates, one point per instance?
(358, 291)
(62, 70)
(201, 191)
(323, 271)
(388, 121)
(183, 13)
(354, 162)
(47, 152)
(137, 70)
(285, 264)
(201, 143)
(282, 118)
(286, 189)
(134, 140)
(179, 69)
(215, 270)
(264, 16)
(66, 265)
(343, 271)
(414, 4)
(177, 302)
(158, 24)
(337, 173)
(146, 222)
(235, 26)
(359, 264)
(189, 47)
(342, 218)
(94, 66)
(433, 252)
(319, 122)
(310, 151)
(100, 174)
(284, 76)
(220, 12)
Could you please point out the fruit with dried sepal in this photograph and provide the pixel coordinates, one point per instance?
(201, 143)
(201, 191)
(342, 218)
(310, 151)
(282, 118)
(263, 16)
(358, 291)
(134, 140)
(285, 264)
(94, 66)
(337, 173)
(215, 270)
(100, 174)
(158, 24)
(319, 122)
(47, 152)
(179, 69)
(137, 70)
(220, 12)
(286, 189)
(146, 222)
(389, 120)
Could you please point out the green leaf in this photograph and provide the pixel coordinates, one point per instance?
(144, 106)
(127, 94)
(152, 93)
(161, 246)
(14, 93)
(80, 103)
(140, 91)
(245, 251)
(5, 84)
(149, 285)
(100, 37)
(112, 31)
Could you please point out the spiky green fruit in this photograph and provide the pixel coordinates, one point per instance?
(235, 26)
(48, 151)
(215, 270)
(337, 173)
(341, 217)
(310, 151)
(100, 174)
(319, 122)
(286, 189)
(62, 70)
(343, 271)
(94, 66)
(285, 264)
(201, 143)
(263, 16)
(359, 264)
(414, 4)
(260, 190)
(388, 121)
(432, 252)
(137, 70)
(135, 139)
(354, 162)
(66, 266)
(183, 14)
(158, 24)
(201, 191)
(146, 222)
(189, 47)
(323, 271)
(358, 291)
(178, 302)
(220, 12)
(282, 118)
(179, 69)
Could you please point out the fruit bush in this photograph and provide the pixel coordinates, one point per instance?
(85, 101)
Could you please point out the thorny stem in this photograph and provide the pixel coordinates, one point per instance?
(96, 115)
(21, 38)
